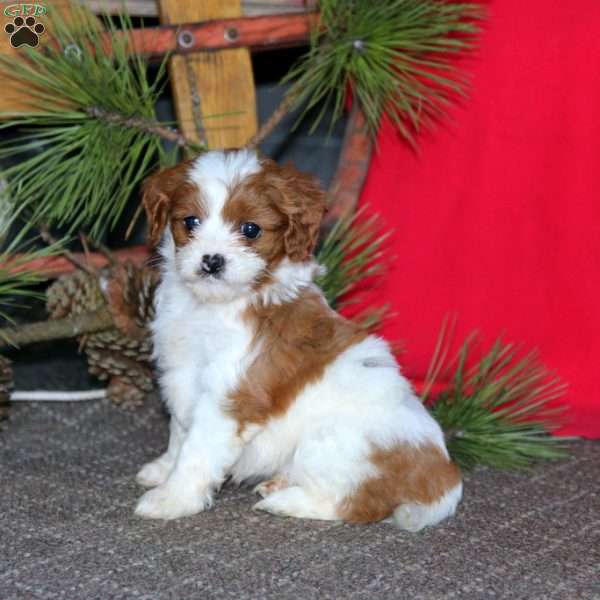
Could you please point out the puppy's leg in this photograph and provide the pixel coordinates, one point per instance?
(294, 501)
(156, 472)
(323, 466)
(209, 448)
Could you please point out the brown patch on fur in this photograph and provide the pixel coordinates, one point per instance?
(297, 341)
(186, 201)
(286, 204)
(415, 474)
(167, 195)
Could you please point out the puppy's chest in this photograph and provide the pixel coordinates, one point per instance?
(211, 343)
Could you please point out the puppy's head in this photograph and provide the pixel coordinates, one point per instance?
(230, 219)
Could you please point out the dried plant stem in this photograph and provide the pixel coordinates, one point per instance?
(147, 125)
(102, 248)
(285, 106)
(56, 329)
(51, 241)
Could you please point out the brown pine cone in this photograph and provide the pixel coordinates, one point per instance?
(74, 294)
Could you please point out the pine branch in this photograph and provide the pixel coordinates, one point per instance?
(350, 252)
(394, 56)
(93, 133)
(499, 411)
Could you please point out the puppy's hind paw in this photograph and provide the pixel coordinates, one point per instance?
(266, 488)
(164, 502)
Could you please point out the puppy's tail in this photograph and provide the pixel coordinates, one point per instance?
(414, 516)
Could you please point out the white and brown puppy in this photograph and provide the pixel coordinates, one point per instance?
(262, 379)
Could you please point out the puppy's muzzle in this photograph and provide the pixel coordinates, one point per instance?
(212, 264)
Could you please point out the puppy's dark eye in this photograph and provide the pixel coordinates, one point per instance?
(250, 230)
(191, 223)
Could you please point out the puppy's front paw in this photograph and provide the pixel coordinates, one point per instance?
(169, 502)
(154, 473)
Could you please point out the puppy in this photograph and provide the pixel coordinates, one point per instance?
(263, 381)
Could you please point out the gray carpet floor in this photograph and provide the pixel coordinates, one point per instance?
(67, 528)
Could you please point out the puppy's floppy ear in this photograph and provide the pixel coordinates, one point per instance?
(156, 197)
(156, 202)
(303, 202)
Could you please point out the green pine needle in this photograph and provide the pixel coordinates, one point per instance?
(395, 56)
(351, 252)
(16, 279)
(497, 412)
(74, 170)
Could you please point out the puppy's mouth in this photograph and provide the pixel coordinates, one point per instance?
(205, 273)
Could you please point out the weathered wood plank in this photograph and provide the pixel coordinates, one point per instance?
(149, 8)
(214, 93)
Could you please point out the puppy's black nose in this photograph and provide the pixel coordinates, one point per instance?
(213, 263)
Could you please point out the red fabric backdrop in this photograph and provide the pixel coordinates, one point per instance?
(497, 218)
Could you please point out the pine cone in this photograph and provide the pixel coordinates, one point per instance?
(130, 295)
(121, 356)
(125, 394)
(74, 294)
(110, 355)
(6, 385)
